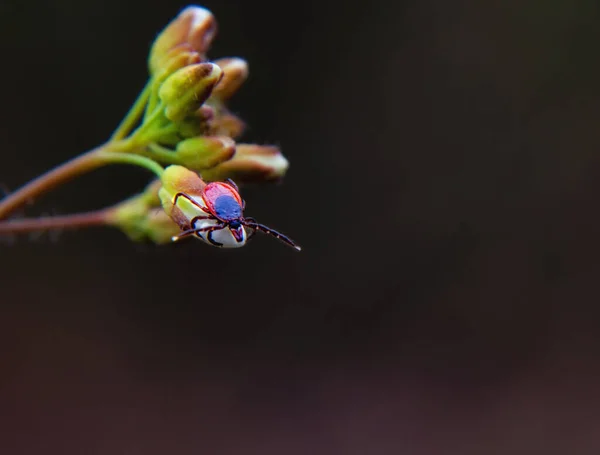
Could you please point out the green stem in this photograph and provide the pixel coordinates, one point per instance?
(161, 133)
(133, 115)
(152, 102)
(161, 154)
(136, 160)
(150, 122)
(82, 164)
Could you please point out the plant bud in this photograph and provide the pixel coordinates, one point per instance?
(178, 179)
(250, 164)
(235, 72)
(184, 91)
(194, 26)
(197, 124)
(199, 153)
(227, 124)
(176, 58)
(140, 220)
(223, 122)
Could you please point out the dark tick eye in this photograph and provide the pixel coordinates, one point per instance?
(234, 224)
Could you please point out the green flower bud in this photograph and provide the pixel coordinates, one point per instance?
(176, 58)
(140, 220)
(250, 164)
(235, 72)
(199, 153)
(184, 91)
(197, 124)
(177, 179)
(193, 26)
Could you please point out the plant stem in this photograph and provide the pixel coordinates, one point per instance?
(78, 220)
(152, 101)
(161, 154)
(133, 115)
(86, 162)
(152, 121)
(126, 158)
(49, 180)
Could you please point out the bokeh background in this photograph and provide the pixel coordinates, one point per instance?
(445, 163)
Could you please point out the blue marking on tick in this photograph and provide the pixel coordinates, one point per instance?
(227, 208)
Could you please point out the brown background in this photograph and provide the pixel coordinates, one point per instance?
(444, 184)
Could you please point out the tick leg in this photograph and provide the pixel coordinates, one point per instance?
(183, 235)
(189, 232)
(235, 187)
(232, 183)
(210, 239)
(209, 230)
(250, 220)
(273, 232)
(185, 196)
(201, 217)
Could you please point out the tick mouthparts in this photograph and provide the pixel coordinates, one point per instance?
(238, 234)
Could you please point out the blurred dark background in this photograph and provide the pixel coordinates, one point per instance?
(444, 172)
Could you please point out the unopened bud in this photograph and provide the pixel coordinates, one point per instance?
(176, 58)
(250, 164)
(199, 153)
(184, 91)
(197, 124)
(235, 72)
(180, 180)
(194, 25)
(223, 123)
(140, 220)
(227, 124)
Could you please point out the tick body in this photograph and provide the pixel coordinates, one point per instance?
(223, 201)
(216, 216)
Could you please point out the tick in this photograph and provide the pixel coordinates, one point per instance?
(218, 217)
